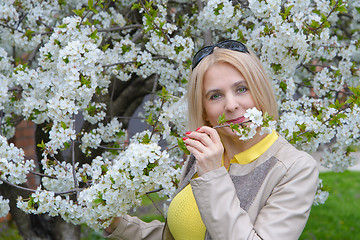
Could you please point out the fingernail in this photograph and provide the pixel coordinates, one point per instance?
(198, 129)
(187, 133)
(184, 138)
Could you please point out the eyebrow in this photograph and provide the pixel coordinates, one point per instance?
(235, 84)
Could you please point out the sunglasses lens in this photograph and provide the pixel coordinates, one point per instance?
(228, 44)
(201, 54)
(233, 45)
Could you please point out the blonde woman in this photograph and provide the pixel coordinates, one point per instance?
(261, 188)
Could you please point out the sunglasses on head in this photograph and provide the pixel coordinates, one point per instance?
(227, 44)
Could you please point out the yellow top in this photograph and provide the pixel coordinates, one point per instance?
(251, 154)
(183, 216)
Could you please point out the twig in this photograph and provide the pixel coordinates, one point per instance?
(158, 118)
(119, 28)
(33, 190)
(12, 28)
(43, 175)
(17, 186)
(57, 161)
(110, 148)
(87, 12)
(130, 62)
(228, 125)
(155, 191)
(147, 194)
(76, 184)
(322, 23)
(161, 30)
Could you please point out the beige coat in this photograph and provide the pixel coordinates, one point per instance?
(269, 198)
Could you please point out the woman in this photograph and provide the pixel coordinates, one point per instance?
(261, 188)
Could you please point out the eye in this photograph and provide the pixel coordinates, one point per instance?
(242, 89)
(215, 96)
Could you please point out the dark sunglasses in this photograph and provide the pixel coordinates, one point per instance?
(227, 44)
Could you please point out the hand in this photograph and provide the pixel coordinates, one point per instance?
(206, 146)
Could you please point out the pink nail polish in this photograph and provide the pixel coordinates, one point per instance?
(198, 129)
(184, 138)
(187, 133)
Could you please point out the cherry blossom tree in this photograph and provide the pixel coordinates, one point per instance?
(79, 69)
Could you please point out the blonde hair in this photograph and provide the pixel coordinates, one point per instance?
(249, 66)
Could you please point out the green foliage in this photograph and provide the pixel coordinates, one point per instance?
(164, 94)
(182, 146)
(29, 34)
(283, 86)
(93, 35)
(80, 12)
(222, 119)
(146, 139)
(339, 217)
(41, 145)
(219, 7)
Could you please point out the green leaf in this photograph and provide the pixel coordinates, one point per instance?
(135, 6)
(182, 146)
(41, 145)
(218, 8)
(29, 34)
(283, 86)
(78, 12)
(150, 120)
(112, 180)
(66, 145)
(62, 26)
(105, 47)
(342, 9)
(104, 169)
(90, 3)
(93, 35)
(222, 119)
(337, 105)
(164, 94)
(63, 125)
(57, 42)
(146, 139)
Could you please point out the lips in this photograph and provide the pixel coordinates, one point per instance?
(237, 120)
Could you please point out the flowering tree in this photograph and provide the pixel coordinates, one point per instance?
(79, 69)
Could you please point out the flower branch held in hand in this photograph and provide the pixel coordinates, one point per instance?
(245, 129)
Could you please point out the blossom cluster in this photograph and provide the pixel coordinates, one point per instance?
(13, 165)
(4, 206)
(257, 120)
(321, 194)
(112, 132)
(116, 185)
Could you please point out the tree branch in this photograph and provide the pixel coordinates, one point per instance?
(207, 34)
(119, 28)
(75, 190)
(131, 62)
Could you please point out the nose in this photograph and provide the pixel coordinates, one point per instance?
(231, 104)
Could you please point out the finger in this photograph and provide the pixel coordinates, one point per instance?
(196, 144)
(201, 137)
(212, 133)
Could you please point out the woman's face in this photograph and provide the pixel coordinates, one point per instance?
(225, 91)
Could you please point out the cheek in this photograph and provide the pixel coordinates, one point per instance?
(212, 115)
